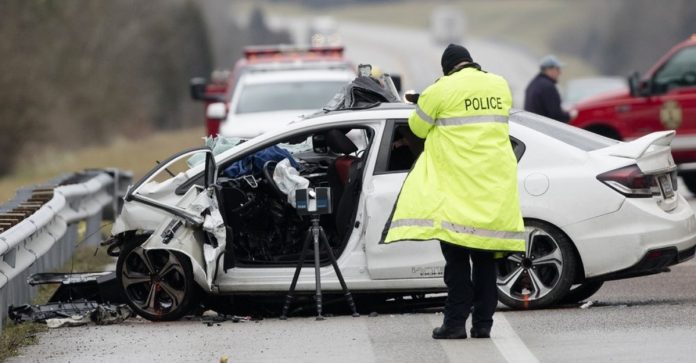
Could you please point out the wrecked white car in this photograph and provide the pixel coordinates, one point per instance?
(595, 210)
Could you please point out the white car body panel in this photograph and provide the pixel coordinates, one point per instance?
(611, 232)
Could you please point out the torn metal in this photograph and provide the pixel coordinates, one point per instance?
(76, 313)
(101, 287)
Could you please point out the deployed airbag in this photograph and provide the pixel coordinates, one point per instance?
(288, 180)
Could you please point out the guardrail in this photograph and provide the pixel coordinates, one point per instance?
(39, 227)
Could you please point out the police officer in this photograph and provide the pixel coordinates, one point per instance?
(541, 95)
(462, 190)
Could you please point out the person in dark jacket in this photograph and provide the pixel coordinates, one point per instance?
(541, 95)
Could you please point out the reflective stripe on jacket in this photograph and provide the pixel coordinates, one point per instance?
(463, 187)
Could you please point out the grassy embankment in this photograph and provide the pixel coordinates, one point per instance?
(137, 156)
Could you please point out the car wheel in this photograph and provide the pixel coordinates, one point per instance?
(689, 180)
(540, 276)
(158, 284)
(581, 292)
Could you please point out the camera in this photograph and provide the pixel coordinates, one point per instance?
(313, 201)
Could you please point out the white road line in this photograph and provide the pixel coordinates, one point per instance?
(508, 343)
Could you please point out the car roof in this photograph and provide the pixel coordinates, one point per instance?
(381, 110)
(297, 75)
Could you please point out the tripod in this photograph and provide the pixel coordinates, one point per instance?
(316, 233)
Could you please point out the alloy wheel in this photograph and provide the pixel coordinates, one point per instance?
(154, 281)
(542, 274)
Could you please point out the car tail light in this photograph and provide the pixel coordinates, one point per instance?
(630, 181)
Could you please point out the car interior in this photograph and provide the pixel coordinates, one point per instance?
(263, 227)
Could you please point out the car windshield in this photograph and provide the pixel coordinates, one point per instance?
(299, 95)
(571, 135)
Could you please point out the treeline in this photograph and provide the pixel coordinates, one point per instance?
(629, 35)
(78, 72)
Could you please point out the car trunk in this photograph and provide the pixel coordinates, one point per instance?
(652, 155)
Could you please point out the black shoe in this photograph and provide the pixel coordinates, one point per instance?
(445, 332)
(480, 332)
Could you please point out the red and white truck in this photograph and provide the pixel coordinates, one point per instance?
(265, 59)
(663, 98)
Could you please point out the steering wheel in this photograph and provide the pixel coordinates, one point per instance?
(268, 168)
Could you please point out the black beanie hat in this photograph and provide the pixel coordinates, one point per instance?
(453, 55)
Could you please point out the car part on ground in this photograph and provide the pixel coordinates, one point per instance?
(581, 292)
(76, 313)
(100, 287)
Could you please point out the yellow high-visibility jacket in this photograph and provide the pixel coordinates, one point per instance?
(463, 187)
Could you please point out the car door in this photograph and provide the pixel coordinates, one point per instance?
(675, 87)
(193, 224)
(398, 150)
(407, 259)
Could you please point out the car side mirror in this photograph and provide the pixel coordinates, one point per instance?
(638, 87)
(199, 90)
(216, 111)
(197, 87)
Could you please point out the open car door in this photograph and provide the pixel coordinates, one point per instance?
(194, 226)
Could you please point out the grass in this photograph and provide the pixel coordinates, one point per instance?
(14, 337)
(137, 156)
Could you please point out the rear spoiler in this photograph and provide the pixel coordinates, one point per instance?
(637, 148)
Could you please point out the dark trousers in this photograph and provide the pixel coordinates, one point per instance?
(465, 289)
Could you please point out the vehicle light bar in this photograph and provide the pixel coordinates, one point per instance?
(277, 51)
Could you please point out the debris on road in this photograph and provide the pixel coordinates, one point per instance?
(101, 287)
(587, 304)
(77, 313)
(209, 319)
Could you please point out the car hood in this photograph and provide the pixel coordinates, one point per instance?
(603, 99)
(250, 125)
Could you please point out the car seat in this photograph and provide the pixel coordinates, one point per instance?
(345, 177)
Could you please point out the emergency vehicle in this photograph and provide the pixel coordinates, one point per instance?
(266, 59)
(664, 98)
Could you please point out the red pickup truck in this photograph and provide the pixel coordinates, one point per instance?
(664, 98)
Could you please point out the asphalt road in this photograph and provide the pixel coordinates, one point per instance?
(647, 319)
(411, 53)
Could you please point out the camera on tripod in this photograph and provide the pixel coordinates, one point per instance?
(313, 201)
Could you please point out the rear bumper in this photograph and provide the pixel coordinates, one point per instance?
(623, 243)
(655, 261)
